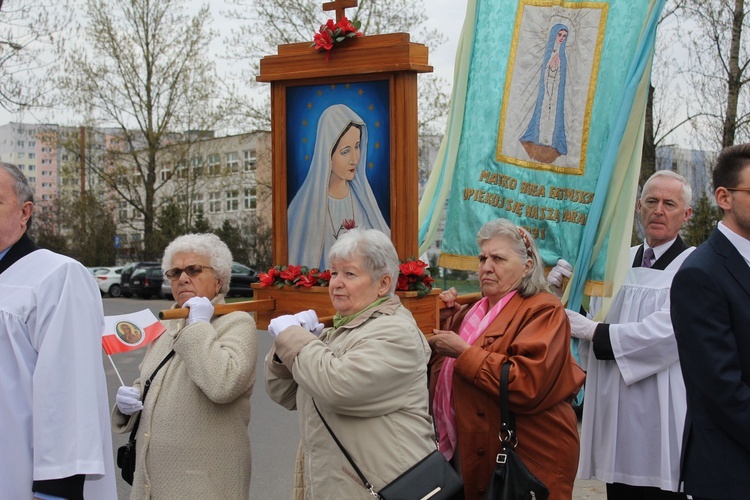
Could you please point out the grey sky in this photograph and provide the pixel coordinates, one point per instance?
(445, 15)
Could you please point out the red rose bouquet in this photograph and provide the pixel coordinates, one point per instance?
(332, 33)
(294, 275)
(414, 275)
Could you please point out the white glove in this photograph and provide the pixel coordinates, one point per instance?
(318, 329)
(309, 320)
(201, 309)
(128, 400)
(580, 326)
(555, 276)
(278, 325)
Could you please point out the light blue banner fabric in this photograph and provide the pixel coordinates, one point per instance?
(549, 96)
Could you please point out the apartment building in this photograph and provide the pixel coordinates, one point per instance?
(217, 177)
(694, 165)
(213, 178)
(48, 153)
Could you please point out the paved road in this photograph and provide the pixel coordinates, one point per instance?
(273, 430)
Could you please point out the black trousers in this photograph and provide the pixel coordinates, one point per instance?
(619, 491)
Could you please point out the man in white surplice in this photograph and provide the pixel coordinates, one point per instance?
(634, 409)
(56, 440)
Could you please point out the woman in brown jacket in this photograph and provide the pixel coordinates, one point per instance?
(516, 321)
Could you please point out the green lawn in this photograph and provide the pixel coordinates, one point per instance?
(462, 286)
(229, 300)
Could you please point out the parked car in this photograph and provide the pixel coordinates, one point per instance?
(108, 279)
(128, 270)
(166, 289)
(146, 281)
(239, 285)
(242, 278)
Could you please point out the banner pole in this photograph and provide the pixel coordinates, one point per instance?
(116, 372)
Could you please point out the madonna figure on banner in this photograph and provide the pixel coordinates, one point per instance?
(336, 195)
(544, 139)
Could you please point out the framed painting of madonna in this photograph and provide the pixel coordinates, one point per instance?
(338, 165)
(345, 154)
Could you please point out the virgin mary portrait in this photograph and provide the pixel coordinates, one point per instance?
(128, 333)
(544, 139)
(335, 195)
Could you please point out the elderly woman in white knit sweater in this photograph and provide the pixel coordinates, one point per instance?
(192, 438)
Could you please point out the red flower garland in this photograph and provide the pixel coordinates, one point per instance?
(294, 275)
(413, 276)
(332, 33)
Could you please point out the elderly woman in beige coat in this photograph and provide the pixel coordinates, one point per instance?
(367, 375)
(192, 439)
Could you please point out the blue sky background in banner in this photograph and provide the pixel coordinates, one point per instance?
(370, 100)
(530, 196)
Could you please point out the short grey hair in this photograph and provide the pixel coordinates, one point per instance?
(535, 281)
(21, 186)
(687, 191)
(375, 248)
(207, 244)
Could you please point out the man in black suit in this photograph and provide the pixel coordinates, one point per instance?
(710, 308)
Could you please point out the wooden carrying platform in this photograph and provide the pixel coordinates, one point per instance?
(291, 300)
(273, 301)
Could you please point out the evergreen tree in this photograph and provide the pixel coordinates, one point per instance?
(702, 223)
(200, 224)
(92, 231)
(230, 235)
(44, 228)
(170, 226)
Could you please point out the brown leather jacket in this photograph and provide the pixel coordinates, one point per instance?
(534, 335)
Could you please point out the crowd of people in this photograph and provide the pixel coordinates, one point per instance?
(666, 412)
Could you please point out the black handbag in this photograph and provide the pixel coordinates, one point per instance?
(431, 478)
(126, 453)
(126, 459)
(511, 480)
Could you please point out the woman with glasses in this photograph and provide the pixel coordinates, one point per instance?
(366, 376)
(192, 438)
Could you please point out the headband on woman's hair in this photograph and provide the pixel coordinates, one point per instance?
(526, 241)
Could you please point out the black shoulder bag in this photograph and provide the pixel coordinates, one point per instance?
(126, 453)
(431, 478)
(511, 480)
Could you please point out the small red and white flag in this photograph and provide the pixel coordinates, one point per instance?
(128, 332)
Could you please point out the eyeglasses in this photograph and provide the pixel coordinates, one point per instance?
(192, 271)
(738, 189)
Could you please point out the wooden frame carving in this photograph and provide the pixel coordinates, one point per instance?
(392, 58)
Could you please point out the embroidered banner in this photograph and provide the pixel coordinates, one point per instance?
(546, 130)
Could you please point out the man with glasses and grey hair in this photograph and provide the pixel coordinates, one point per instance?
(634, 408)
(53, 400)
(711, 315)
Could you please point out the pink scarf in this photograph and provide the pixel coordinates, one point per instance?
(475, 323)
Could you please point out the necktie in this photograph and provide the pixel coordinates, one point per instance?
(648, 257)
